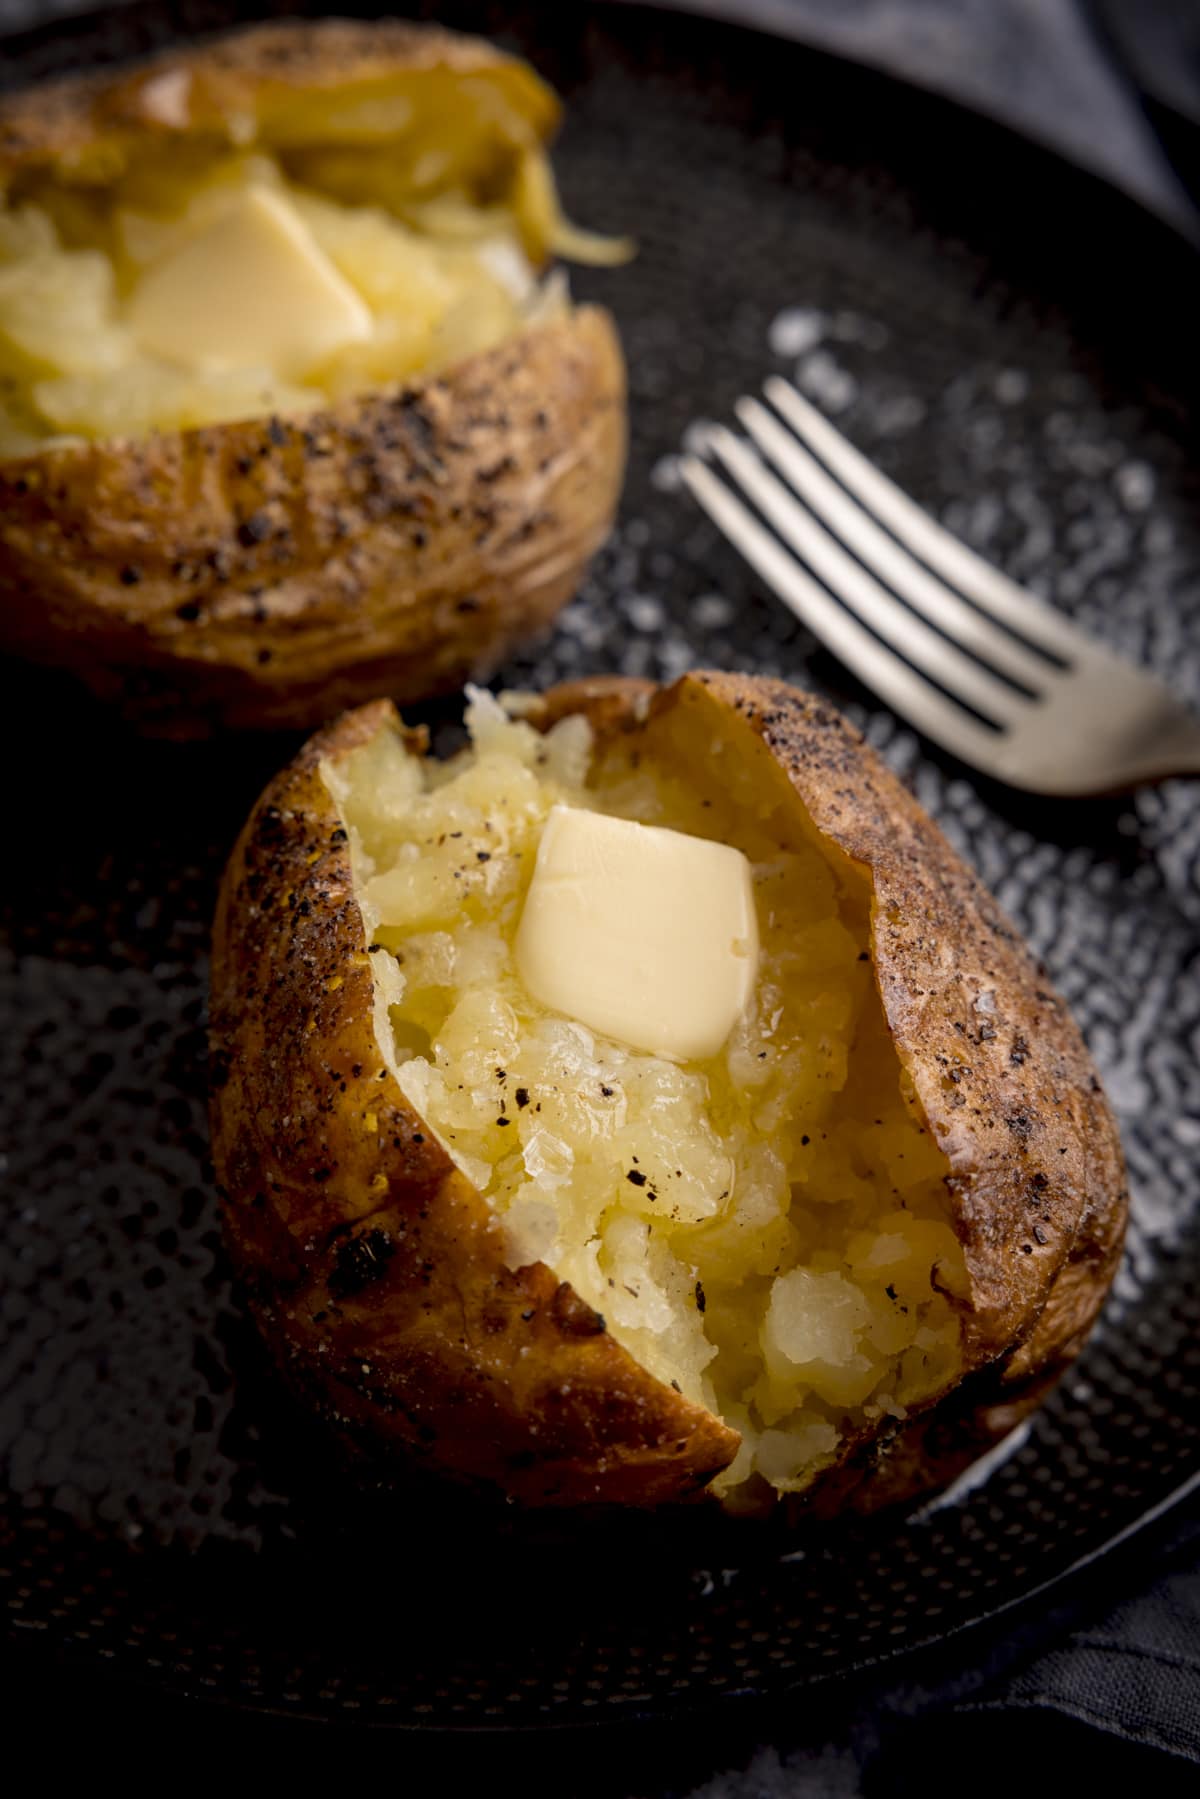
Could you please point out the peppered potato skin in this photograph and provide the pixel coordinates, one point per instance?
(1036, 1188)
(374, 1268)
(82, 123)
(266, 574)
(269, 573)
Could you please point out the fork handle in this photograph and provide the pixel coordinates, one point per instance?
(1176, 752)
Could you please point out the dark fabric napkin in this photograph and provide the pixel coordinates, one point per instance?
(1116, 1688)
(1078, 75)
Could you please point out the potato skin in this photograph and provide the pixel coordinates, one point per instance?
(268, 573)
(374, 1268)
(1036, 1187)
(413, 1338)
(85, 123)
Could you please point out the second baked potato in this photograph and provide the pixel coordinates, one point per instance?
(503, 1207)
(288, 414)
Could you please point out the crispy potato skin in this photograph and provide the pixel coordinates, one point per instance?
(85, 124)
(373, 1266)
(1037, 1179)
(268, 573)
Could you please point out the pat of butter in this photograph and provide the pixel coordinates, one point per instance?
(644, 934)
(253, 287)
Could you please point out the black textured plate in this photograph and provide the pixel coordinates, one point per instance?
(1016, 344)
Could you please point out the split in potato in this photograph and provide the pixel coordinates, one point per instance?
(766, 1230)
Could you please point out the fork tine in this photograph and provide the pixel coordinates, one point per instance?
(1001, 598)
(850, 583)
(875, 665)
(964, 624)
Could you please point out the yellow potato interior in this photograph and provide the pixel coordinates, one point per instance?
(431, 196)
(766, 1229)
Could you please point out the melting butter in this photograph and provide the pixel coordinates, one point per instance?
(252, 287)
(645, 934)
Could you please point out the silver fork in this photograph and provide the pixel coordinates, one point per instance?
(975, 662)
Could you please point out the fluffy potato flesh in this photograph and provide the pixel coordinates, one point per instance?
(767, 1231)
(429, 193)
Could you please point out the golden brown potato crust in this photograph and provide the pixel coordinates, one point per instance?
(84, 123)
(374, 1267)
(270, 573)
(267, 573)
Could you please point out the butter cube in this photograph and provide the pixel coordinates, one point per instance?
(644, 934)
(252, 288)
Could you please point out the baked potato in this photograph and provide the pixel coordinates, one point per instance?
(832, 1258)
(289, 416)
